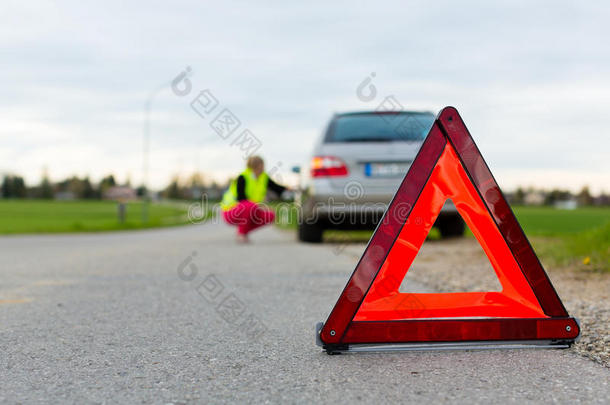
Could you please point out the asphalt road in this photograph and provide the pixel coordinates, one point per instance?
(135, 317)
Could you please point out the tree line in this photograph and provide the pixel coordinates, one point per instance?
(14, 186)
(194, 187)
(533, 196)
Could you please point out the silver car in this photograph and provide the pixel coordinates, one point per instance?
(356, 169)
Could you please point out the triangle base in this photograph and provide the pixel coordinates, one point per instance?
(452, 330)
(474, 345)
(403, 336)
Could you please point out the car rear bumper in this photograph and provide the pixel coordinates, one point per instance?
(338, 210)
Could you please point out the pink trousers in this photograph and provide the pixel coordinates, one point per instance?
(248, 216)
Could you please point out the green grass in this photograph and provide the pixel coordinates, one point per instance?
(577, 238)
(585, 250)
(547, 221)
(41, 216)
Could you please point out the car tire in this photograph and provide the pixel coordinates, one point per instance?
(310, 233)
(451, 226)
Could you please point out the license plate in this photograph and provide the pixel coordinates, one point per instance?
(385, 169)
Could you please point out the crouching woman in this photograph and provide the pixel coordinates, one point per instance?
(241, 202)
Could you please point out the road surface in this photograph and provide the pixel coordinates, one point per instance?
(184, 315)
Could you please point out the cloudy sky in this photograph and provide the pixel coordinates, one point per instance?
(531, 80)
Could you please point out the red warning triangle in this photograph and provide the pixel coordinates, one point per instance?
(371, 310)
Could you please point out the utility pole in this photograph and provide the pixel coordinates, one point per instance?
(146, 150)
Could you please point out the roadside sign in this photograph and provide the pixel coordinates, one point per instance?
(372, 311)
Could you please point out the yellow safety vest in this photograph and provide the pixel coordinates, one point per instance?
(256, 189)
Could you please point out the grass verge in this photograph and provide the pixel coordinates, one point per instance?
(40, 216)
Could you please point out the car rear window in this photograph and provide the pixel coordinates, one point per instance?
(380, 127)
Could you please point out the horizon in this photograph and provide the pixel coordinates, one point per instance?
(208, 182)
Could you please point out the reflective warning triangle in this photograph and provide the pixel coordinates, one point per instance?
(371, 310)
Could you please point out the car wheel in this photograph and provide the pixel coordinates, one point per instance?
(451, 226)
(311, 233)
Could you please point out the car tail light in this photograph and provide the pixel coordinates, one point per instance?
(327, 166)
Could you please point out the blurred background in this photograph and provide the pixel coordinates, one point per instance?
(89, 114)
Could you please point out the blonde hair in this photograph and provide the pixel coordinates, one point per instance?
(254, 161)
